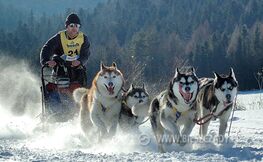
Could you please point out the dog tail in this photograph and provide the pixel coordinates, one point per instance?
(78, 93)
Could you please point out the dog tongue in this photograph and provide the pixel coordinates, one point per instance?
(187, 96)
(111, 90)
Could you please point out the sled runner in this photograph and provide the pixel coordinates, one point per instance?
(58, 84)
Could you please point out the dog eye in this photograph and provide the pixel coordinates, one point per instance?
(230, 88)
(222, 89)
(105, 77)
(192, 82)
(136, 96)
(143, 96)
(181, 82)
(114, 76)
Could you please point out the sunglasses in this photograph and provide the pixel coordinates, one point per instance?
(74, 25)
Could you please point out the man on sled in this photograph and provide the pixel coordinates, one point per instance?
(67, 54)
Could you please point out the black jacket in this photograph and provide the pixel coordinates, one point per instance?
(54, 46)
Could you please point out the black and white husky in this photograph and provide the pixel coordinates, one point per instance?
(134, 109)
(173, 109)
(216, 97)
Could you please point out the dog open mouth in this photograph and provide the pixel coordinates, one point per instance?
(110, 89)
(187, 96)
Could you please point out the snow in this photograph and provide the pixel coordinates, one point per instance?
(21, 138)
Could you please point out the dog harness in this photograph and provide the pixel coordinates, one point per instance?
(178, 114)
(126, 110)
(168, 103)
(211, 115)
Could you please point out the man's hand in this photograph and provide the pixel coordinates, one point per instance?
(75, 63)
(51, 63)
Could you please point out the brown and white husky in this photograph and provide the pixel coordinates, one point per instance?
(100, 105)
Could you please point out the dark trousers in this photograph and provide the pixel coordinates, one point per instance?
(77, 74)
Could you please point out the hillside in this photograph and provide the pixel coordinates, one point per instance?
(156, 36)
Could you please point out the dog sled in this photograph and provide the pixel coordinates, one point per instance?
(57, 89)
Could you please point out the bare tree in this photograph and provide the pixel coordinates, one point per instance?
(259, 78)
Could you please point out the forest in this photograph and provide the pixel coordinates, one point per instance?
(149, 38)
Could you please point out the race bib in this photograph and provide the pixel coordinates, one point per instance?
(72, 47)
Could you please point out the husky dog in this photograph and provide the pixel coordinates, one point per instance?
(216, 97)
(100, 105)
(135, 107)
(174, 108)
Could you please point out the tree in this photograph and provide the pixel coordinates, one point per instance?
(259, 78)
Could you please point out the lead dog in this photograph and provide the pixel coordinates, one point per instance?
(216, 97)
(101, 104)
(173, 108)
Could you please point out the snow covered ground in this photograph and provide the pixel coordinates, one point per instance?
(21, 141)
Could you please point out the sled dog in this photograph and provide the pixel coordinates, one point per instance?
(216, 97)
(174, 108)
(134, 109)
(100, 105)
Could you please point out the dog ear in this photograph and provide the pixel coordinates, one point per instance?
(114, 65)
(176, 72)
(144, 88)
(232, 74)
(216, 75)
(193, 70)
(102, 66)
(131, 87)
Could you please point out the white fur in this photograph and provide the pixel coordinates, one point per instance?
(106, 121)
(222, 119)
(168, 116)
(78, 93)
(100, 107)
(139, 109)
(183, 106)
(166, 121)
(181, 128)
(220, 94)
(105, 80)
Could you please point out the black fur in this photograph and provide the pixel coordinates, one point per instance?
(171, 93)
(208, 85)
(126, 116)
(229, 80)
(154, 111)
(209, 99)
(177, 79)
(125, 110)
(135, 90)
